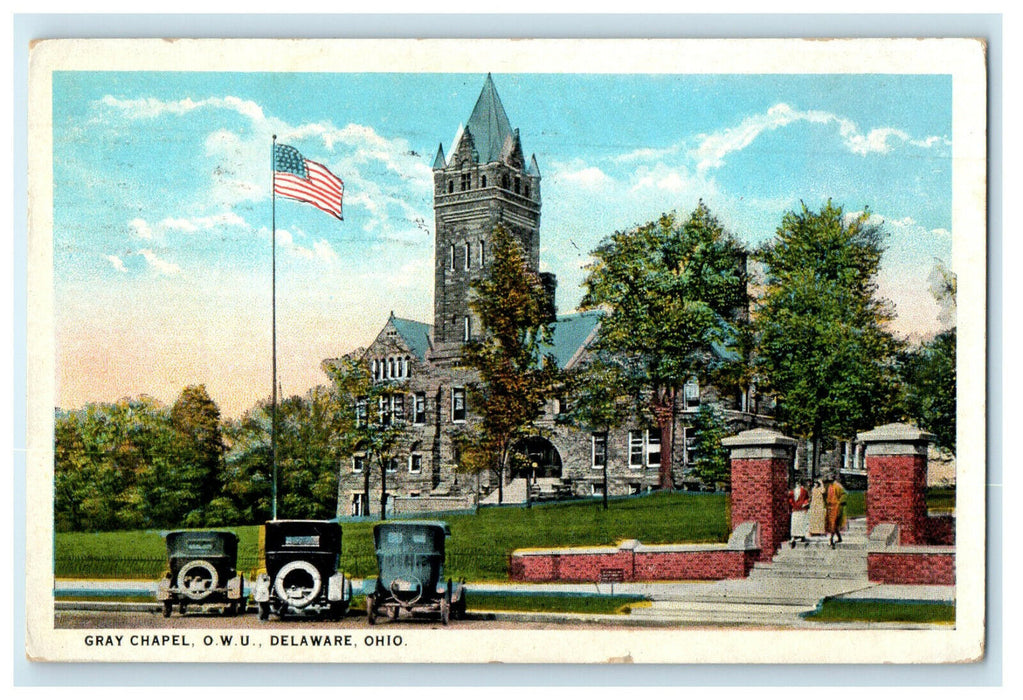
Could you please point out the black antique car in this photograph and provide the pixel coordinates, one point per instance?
(410, 556)
(202, 572)
(301, 574)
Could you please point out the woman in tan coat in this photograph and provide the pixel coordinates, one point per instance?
(817, 509)
(834, 499)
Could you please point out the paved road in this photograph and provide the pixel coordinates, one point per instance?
(112, 619)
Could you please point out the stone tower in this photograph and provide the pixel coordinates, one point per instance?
(485, 181)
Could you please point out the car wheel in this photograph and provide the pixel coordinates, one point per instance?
(197, 579)
(264, 611)
(182, 608)
(371, 610)
(298, 583)
(168, 608)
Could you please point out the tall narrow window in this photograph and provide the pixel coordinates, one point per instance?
(518, 185)
(360, 413)
(466, 329)
(451, 186)
(451, 252)
(483, 254)
(468, 254)
(398, 408)
(653, 447)
(636, 449)
(691, 394)
(458, 404)
(419, 412)
(598, 451)
(483, 180)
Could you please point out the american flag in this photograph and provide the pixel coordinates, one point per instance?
(307, 181)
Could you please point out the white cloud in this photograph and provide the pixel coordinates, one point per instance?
(590, 177)
(202, 223)
(141, 229)
(117, 263)
(161, 266)
(713, 148)
(151, 108)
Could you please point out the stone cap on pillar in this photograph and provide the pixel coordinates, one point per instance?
(896, 438)
(759, 443)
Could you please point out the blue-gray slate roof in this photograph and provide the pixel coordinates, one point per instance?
(415, 334)
(489, 124)
(571, 332)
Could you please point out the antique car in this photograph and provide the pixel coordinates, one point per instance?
(410, 558)
(202, 572)
(302, 576)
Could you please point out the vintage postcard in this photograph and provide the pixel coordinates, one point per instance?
(655, 351)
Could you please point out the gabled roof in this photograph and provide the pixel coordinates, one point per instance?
(415, 334)
(489, 123)
(572, 333)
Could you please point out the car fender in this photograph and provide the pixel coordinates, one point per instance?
(235, 586)
(163, 588)
(338, 588)
(261, 589)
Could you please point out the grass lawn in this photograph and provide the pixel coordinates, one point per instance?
(597, 605)
(875, 611)
(478, 548)
(479, 545)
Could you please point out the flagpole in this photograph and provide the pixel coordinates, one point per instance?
(273, 316)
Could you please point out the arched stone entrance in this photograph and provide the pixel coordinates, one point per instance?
(535, 458)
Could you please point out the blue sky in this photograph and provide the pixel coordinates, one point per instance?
(162, 208)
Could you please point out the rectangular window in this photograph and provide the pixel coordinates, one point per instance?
(689, 454)
(483, 253)
(358, 504)
(415, 464)
(644, 448)
(420, 408)
(598, 450)
(596, 489)
(691, 395)
(466, 329)
(653, 447)
(358, 463)
(451, 251)
(384, 412)
(466, 181)
(360, 413)
(398, 408)
(468, 254)
(391, 465)
(458, 404)
(635, 449)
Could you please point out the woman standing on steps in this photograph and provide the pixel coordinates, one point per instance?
(799, 502)
(834, 497)
(818, 512)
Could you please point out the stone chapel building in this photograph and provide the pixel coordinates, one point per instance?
(487, 180)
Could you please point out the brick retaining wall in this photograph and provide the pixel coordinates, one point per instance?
(904, 566)
(633, 561)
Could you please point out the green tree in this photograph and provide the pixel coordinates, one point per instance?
(711, 465)
(929, 371)
(671, 291)
(514, 376)
(196, 418)
(824, 344)
(372, 422)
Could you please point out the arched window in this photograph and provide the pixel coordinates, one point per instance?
(483, 180)
(390, 368)
(451, 186)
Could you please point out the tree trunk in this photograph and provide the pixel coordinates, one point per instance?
(365, 487)
(383, 490)
(606, 437)
(663, 406)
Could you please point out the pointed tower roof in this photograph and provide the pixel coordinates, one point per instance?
(489, 123)
(440, 161)
(533, 168)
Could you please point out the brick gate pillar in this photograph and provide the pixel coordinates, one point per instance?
(896, 459)
(761, 460)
